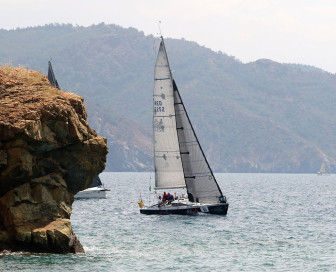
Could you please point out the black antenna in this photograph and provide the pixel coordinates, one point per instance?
(159, 25)
(157, 38)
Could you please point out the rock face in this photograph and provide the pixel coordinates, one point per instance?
(48, 153)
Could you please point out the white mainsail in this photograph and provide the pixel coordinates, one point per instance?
(167, 159)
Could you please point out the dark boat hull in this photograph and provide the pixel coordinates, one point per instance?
(219, 209)
(165, 211)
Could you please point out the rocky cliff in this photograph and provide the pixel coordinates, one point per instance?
(48, 153)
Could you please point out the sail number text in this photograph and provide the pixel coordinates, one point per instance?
(158, 106)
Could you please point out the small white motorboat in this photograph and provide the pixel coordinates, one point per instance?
(95, 190)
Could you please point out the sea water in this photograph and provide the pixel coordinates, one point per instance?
(275, 222)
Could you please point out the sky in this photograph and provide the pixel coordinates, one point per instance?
(286, 31)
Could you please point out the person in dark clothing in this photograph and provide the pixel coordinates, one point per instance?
(170, 198)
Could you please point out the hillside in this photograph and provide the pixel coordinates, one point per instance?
(256, 117)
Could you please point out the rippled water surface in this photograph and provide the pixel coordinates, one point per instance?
(275, 222)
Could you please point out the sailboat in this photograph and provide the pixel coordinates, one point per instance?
(178, 157)
(96, 188)
(323, 171)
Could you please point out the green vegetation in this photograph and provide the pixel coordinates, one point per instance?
(257, 117)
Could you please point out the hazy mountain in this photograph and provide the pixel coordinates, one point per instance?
(261, 116)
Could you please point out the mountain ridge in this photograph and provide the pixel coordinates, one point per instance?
(260, 116)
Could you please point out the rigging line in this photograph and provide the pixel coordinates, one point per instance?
(149, 187)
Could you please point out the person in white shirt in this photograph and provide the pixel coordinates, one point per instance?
(160, 201)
